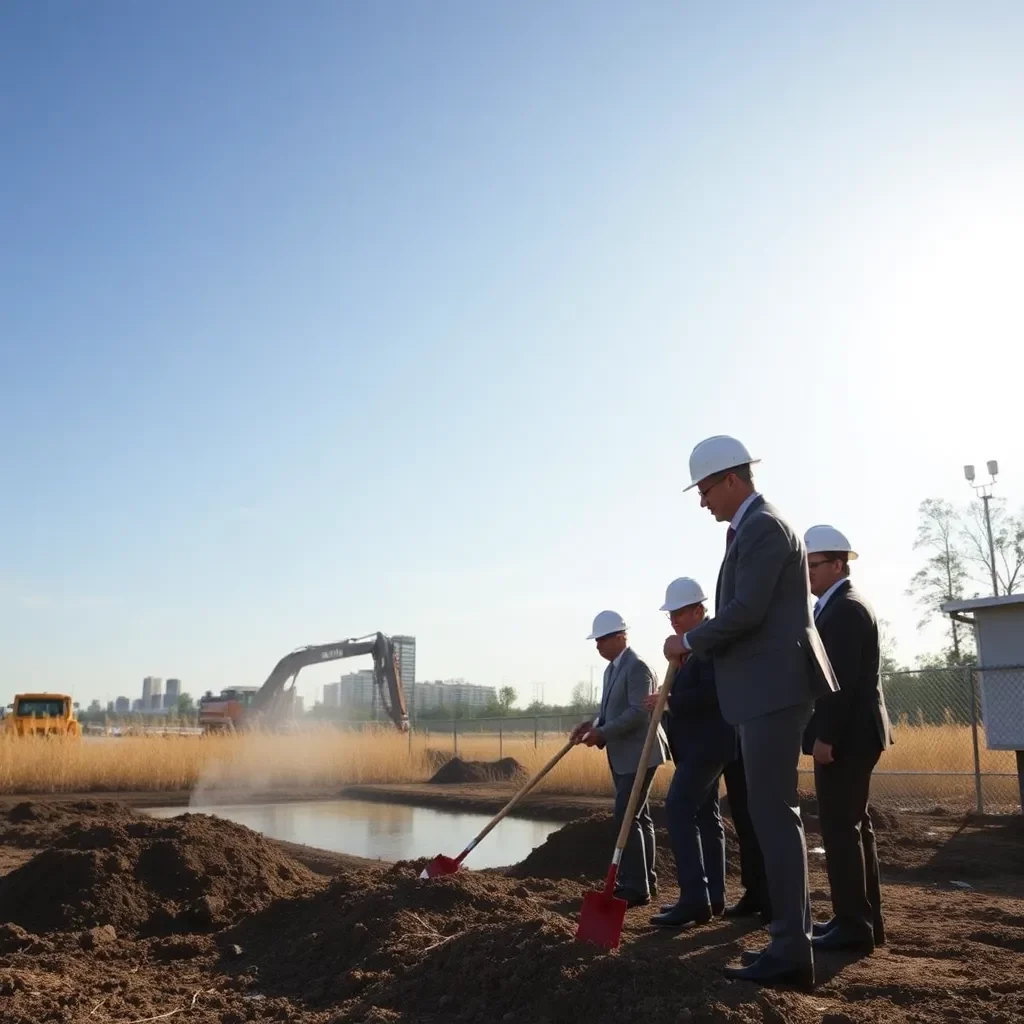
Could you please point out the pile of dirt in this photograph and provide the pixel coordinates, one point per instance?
(35, 823)
(508, 769)
(463, 947)
(193, 873)
(582, 850)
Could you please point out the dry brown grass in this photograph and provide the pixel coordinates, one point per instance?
(326, 758)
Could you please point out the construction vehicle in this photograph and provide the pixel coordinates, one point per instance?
(42, 714)
(271, 705)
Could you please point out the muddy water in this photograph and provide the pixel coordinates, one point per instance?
(381, 831)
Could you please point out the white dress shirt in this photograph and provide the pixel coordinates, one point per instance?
(823, 600)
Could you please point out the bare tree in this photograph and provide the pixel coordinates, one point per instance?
(581, 697)
(1007, 542)
(889, 652)
(944, 574)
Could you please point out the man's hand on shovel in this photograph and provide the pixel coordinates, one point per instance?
(674, 649)
(576, 736)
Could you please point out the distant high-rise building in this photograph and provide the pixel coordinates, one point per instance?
(122, 705)
(357, 689)
(152, 692)
(453, 693)
(137, 705)
(173, 690)
(332, 695)
(170, 701)
(299, 706)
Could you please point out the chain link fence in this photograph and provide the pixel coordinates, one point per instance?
(941, 757)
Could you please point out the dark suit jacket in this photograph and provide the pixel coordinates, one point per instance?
(693, 721)
(767, 653)
(855, 718)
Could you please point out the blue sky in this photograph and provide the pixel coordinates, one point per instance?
(329, 318)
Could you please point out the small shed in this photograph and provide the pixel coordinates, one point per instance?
(998, 624)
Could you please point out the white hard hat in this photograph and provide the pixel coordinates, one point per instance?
(681, 593)
(827, 538)
(606, 623)
(715, 454)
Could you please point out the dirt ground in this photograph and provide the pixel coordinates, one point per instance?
(107, 916)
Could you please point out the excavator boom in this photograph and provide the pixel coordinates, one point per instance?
(273, 701)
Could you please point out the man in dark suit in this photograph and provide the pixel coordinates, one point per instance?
(770, 666)
(846, 736)
(702, 743)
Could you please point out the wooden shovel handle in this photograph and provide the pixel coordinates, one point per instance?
(519, 796)
(641, 772)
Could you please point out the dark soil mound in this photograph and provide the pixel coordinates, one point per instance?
(38, 823)
(582, 850)
(436, 758)
(462, 947)
(193, 873)
(456, 770)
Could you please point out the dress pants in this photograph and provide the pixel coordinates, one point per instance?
(752, 874)
(771, 746)
(696, 832)
(636, 869)
(851, 857)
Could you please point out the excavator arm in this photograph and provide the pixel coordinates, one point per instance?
(274, 697)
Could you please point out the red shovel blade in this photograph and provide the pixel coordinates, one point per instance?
(601, 919)
(440, 865)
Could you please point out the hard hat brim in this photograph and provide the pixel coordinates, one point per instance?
(752, 462)
(676, 607)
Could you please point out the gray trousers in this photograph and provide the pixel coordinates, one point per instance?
(636, 869)
(771, 746)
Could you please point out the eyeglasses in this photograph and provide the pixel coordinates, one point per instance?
(814, 565)
(721, 480)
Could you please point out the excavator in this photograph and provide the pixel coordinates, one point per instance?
(270, 706)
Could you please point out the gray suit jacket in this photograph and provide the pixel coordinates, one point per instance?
(623, 721)
(767, 653)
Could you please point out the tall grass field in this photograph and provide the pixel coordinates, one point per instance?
(932, 765)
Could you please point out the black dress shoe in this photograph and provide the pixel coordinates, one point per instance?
(681, 915)
(839, 938)
(632, 897)
(746, 906)
(770, 970)
(717, 909)
(826, 926)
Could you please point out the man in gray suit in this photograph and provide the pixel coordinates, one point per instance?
(770, 666)
(621, 728)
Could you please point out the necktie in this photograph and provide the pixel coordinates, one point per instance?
(729, 534)
(817, 607)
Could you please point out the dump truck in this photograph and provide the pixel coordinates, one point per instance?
(42, 714)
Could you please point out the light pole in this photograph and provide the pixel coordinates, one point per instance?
(984, 491)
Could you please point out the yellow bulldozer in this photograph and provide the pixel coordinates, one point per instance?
(41, 714)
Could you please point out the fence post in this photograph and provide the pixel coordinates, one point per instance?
(410, 739)
(535, 723)
(501, 745)
(979, 799)
(455, 735)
